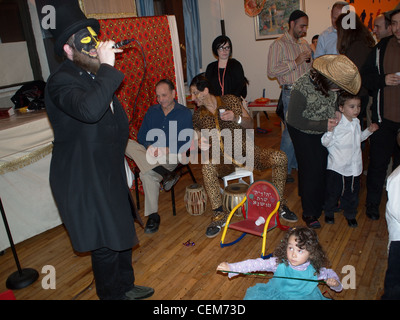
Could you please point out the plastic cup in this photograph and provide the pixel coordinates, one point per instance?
(260, 221)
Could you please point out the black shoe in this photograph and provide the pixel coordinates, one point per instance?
(152, 224)
(329, 220)
(372, 211)
(311, 222)
(170, 180)
(286, 214)
(139, 292)
(352, 223)
(289, 178)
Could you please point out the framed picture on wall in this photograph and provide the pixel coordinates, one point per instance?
(273, 19)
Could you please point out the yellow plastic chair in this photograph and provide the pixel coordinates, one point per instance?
(260, 212)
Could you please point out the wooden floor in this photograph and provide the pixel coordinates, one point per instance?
(178, 272)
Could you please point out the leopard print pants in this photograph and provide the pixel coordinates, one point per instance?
(264, 159)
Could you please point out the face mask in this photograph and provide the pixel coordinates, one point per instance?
(86, 42)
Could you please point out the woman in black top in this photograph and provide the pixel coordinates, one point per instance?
(226, 75)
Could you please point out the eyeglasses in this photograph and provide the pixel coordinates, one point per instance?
(227, 48)
(195, 93)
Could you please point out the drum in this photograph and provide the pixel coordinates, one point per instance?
(195, 199)
(233, 195)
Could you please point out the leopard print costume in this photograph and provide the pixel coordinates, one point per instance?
(263, 158)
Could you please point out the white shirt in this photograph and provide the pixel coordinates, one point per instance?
(393, 205)
(344, 147)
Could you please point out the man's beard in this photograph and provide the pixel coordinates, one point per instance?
(87, 63)
(298, 35)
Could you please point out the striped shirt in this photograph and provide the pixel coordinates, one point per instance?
(281, 59)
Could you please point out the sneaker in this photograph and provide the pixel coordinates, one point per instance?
(312, 222)
(286, 214)
(139, 292)
(217, 223)
(170, 180)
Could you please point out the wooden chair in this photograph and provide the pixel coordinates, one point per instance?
(260, 212)
(181, 169)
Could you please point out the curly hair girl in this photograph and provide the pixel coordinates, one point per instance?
(306, 239)
(298, 262)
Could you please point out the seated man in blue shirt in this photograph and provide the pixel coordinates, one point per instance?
(163, 139)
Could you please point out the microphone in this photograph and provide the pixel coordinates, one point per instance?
(122, 43)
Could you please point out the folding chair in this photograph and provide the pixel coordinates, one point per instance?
(262, 200)
(180, 169)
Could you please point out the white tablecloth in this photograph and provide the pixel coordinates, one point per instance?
(25, 193)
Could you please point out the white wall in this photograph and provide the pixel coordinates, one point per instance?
(251, 53)
(15, 65)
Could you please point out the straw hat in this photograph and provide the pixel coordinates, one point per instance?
(340, 70)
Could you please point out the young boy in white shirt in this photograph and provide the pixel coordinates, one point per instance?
(345, 160)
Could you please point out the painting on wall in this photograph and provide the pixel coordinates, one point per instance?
(368, 10)
(273, 18)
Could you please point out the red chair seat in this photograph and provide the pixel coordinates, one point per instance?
(249, 226)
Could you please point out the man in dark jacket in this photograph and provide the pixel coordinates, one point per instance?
(381, 76)
(87, 173)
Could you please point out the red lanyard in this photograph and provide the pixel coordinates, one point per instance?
(222, 84)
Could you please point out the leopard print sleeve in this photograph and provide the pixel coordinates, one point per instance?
(234, 103)
(196, 120)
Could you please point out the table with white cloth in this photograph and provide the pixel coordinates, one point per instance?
(25, 154)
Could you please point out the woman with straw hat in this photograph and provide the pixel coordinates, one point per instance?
(312, 112)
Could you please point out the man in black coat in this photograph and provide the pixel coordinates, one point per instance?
(87, 172)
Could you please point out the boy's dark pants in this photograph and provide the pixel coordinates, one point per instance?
(342, 191)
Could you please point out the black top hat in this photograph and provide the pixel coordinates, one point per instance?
(69, 20)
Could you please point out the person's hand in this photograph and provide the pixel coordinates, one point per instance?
(332, 282)
(157, 151)
(373, 127)
(152, 151)
(106, 52)
(223, 267)
(338, 116)
(203, 144)
(303, 57)
(228, 115)
(392, 79)
(332, 123)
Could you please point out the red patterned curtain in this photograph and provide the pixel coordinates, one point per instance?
(154, 35)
